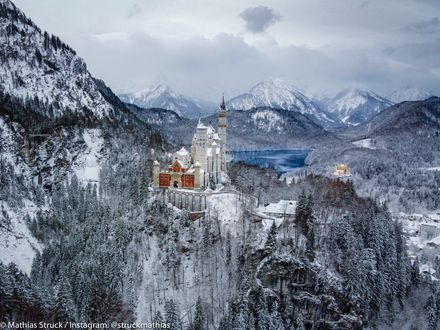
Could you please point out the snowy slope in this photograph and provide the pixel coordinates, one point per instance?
(281, 94)
(87, 164)
(35, 64)
(16, 241)
(164, 97)
(356, 106)
(409, 93)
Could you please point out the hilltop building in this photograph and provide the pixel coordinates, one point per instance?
(203, 164)
(341, 170)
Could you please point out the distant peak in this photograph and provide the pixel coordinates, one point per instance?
(162, 87)
(9, 4)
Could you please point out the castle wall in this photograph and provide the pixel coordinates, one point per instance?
(189, 200)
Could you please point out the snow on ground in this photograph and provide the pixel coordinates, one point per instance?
(267, 120)
(419, 245)
(228, 208)
(16, 241)
(193, 282)
(146, 306)
(87, 166)
(430, 168)
(365, 143)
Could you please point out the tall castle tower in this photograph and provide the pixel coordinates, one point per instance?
(222, 132)
(200, 146)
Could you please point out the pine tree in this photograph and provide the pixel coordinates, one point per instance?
(415, 273)
(198, 317)
(172, 314)
(64, 300)
(301, 213)
(262, 314)
(276, 322)
(432, 313)
(271, 241)
(158, 319)
(310, 245)
(228, 256)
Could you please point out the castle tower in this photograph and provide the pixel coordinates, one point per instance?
(156, 170)
(197, 176)
(222, 133)
(200, 144)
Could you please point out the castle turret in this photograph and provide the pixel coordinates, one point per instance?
(198, 179)
(156, 170)
(200, 143)
(222, 133)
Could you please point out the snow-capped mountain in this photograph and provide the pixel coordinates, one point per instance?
(254, 129)
(356, 106)
(35, 64)
(164, 97)
(279, 93)
(409, 93)
(407, 118)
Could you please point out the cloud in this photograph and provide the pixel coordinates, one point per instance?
(327, 45)
(364, 4)
(424, 27)
(205, 67)
(134, 11)
(259, 18)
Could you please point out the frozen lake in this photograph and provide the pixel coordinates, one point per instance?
(280, 160)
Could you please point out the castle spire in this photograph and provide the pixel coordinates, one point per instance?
(223, 105)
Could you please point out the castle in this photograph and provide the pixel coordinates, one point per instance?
(204, 165)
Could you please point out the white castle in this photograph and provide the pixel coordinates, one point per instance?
(203, 165)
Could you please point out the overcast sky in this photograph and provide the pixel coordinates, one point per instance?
(203, 47)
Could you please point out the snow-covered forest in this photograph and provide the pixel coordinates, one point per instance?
(85, 238)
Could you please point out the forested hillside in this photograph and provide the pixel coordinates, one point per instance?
(84, 237)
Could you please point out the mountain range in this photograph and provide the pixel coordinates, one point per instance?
(355, 106)
(409, 93)
(164, 97)
(256, 128)
(349, 107)
(279, 94)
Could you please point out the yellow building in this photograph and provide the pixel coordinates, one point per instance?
(341, 170)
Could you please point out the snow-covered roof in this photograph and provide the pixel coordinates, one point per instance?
(156, 162)
(211, 130)
(180, 163)
(182, 152)
(200, 125)
(282, 207)
(216, 137)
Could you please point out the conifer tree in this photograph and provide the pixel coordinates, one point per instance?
(172, 314)
(198, 317)
(271, 241)
(415, 273)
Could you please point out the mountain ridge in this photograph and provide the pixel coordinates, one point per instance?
(355, 106)
(282, 94)
(256, 128)
(164, 97)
